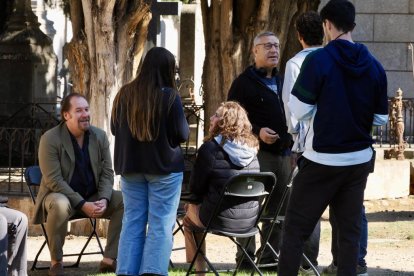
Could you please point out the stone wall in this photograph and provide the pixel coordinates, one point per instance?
(386, 27)
(391, 179)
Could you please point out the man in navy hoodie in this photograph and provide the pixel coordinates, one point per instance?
(342, 90)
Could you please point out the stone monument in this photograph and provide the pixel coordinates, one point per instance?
(27, 70)
(396, 128)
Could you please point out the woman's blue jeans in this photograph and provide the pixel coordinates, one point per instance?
(146, 240)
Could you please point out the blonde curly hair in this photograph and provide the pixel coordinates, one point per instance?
(233, 125)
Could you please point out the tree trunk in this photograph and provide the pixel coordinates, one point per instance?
(229, 29)
(108, 41)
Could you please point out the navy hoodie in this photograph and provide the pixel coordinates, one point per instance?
(341, 87)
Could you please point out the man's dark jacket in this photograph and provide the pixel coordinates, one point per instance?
(264, 107)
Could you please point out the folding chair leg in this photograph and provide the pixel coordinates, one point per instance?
(92, 234)
(46, 242)
(242, 256)
(37, 257)
(275, 220)
(209, 264)
(270, 247)
(245, 254)
(83, 250)
(180, 228)
(196, 253)
(99, 243)
(199, 251)
(310, 264)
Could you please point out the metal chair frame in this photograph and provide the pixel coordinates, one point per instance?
(244, 185)
(33, 178)
(277, 218)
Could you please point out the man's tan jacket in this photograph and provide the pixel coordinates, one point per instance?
(57, 163)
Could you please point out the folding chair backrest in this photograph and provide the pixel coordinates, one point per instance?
(241, 189)
(33, 177)
(237, 199)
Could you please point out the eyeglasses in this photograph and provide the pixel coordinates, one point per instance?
(269, 46)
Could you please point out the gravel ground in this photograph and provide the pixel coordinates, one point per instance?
(390, 245)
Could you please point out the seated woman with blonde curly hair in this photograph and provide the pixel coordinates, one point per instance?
(230, 148)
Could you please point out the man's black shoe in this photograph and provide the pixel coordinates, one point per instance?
(246, 265)
(268, 265)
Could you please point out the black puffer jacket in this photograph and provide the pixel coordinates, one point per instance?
(211, 171)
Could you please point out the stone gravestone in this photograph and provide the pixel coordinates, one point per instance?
(27, 70)
(158, 9)
(46, 25)
(192, 53)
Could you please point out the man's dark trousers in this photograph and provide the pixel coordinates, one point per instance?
(315, 187)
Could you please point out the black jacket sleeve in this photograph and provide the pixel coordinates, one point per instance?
(178, 130)
(237, 93)
(203, 166)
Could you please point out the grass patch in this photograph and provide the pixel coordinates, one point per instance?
(180, 272)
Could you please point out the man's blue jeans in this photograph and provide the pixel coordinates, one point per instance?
(150, 209)
(363, 241)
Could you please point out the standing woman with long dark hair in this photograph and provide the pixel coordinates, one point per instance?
(148, 123)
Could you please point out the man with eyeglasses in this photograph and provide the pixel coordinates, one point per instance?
(342, 90)
(259, 90)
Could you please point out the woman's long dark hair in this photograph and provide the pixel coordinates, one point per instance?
(142, 98)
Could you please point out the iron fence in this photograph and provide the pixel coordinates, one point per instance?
(20, 132)
(19, 145)
(29, 115)
(382, 135)
(18, 148)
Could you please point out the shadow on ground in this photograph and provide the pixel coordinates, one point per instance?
(390, 216)
(91, 268)
(387, 216)
(85, 268)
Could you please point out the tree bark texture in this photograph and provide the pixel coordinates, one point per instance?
(229, 29)
(108, 40)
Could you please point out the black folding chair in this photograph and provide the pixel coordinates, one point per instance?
(275, 219)
(244, 187)
(185, 197)
(179, 229)
(33, 177)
